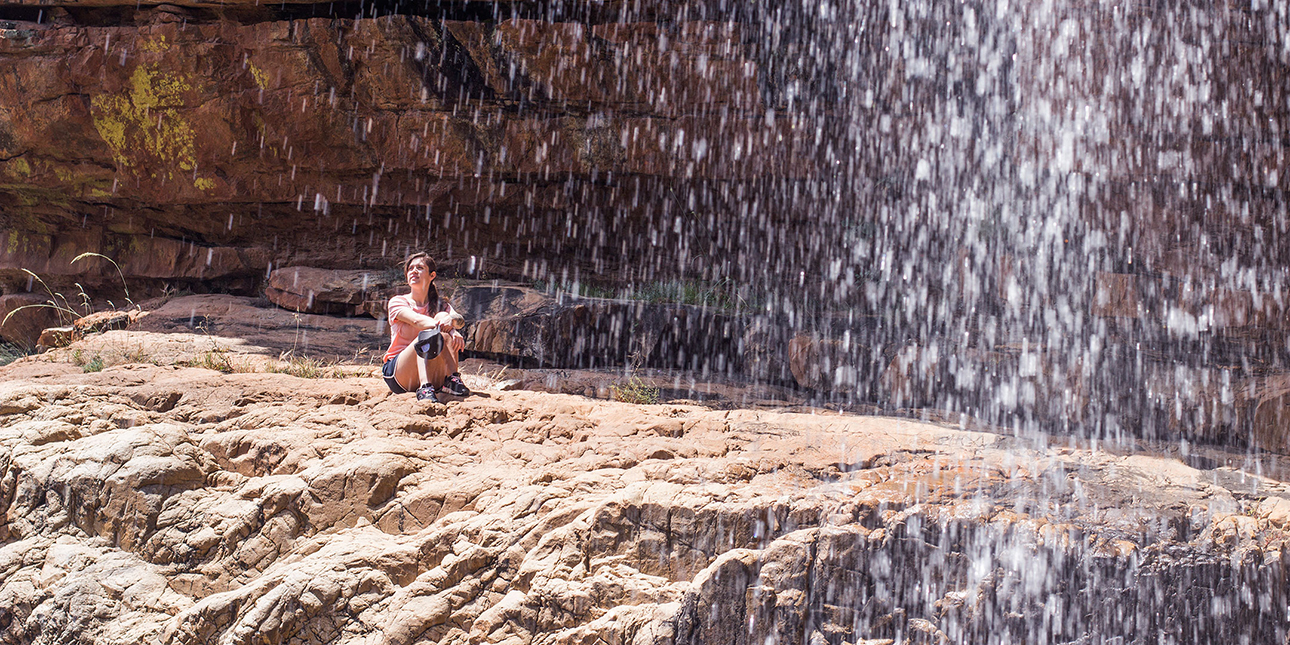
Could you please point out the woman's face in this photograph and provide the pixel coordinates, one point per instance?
(419, 275)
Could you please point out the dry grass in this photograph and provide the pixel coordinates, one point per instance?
(306, 367)
(221, 360)
(634, 391)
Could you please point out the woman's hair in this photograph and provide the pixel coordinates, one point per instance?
(419, 255)
(432, 296)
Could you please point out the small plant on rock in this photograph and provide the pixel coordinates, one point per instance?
(93, 365)
(138, 354)
(634, 391)
(215, 359)
(219, 360)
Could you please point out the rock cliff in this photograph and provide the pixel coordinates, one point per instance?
(195, 145)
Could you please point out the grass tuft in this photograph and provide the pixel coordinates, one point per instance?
(634, 391)
(93, 365)
(306, 367)
(220, 360)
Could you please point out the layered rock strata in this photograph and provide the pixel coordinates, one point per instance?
(164, 502)
(196, 147)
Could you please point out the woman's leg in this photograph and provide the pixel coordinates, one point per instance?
(449, 356)
(407, 372)
(437, 370)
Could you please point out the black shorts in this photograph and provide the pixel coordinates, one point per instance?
(387, 371)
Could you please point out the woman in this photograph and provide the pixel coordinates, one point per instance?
(421, 314)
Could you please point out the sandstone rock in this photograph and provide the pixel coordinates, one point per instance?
(330, 193)
(228, 321)
(765, 351)
(92, 324)
(825, 363)
(323, 291)
(1032, 380)
(104, 321)
(157, 502)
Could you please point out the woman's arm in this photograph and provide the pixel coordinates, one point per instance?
(453, 335)
(419, 321)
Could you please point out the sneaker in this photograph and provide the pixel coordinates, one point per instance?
(427, 392)
(454, 385)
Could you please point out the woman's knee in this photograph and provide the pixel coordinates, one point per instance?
(405, 369)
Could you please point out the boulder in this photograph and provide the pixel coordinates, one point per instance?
(24, 327)
(1264, 404)
(1115, 295)
(822, 363)
(327, 291)
(101, 321)
(52, 337)
(764, 351)
(95, 323)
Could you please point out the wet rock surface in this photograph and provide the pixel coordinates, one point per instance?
(157, 501)
(564, 330)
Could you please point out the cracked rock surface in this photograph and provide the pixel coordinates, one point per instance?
(152, 503)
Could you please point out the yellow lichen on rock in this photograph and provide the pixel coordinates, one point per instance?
(19, 167)
(155, 45)
(261, 81)
(144, 124)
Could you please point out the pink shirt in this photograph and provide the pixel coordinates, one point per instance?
(402, 334)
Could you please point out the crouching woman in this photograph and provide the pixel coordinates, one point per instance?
(424, 341)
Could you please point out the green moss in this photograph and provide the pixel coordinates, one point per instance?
(20, 167)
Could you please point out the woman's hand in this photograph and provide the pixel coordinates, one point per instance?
(458, 343)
